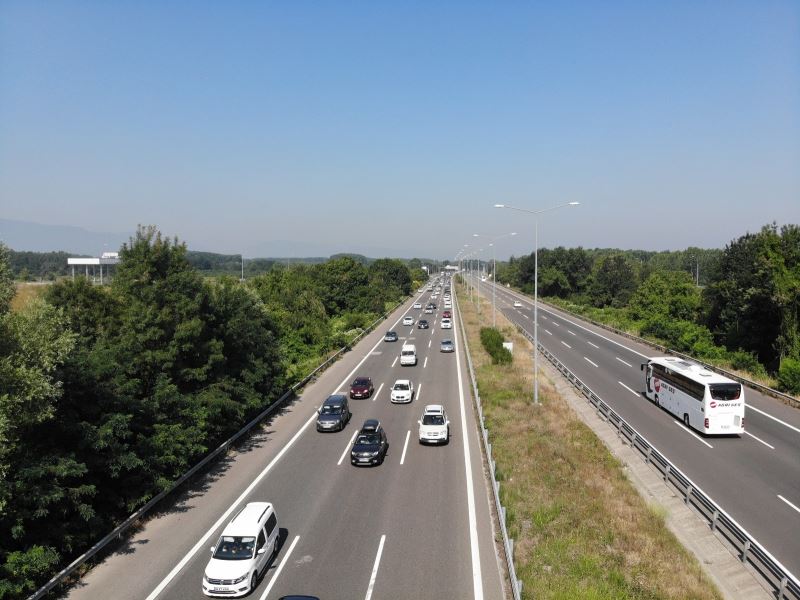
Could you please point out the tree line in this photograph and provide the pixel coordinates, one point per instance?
(742, 308)
(108, 394)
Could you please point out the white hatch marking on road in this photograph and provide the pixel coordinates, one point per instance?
(394, 362)
(627, 364)
(547, 332)
(635, 393)
(375, 568)
(405, 447)
(758, 439)
(429, 343)
(594, 364)
(571, 332)
(566, 344)
(477, 576)
(375, 395)
(377, 353)
(346, 448)
(556, 324)
(794, 506)
(280, 568)
(751, 407)
(425, 364)
(692, 433)
(593, 345)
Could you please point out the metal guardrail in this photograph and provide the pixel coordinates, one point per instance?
(508, 542)
(771, 572)
(118, 531)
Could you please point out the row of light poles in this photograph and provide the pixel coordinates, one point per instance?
(464, 254)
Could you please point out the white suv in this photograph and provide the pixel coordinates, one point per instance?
(446, 324)
(243, 552)
(402, 391)
(434, 427)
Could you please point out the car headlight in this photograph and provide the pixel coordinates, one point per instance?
(240, 579)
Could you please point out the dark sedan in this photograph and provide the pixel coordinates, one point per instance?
(334, 413)
(361, 387)
(423, 324)
(371, 444)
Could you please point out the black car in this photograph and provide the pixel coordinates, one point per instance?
(423, 324)
(334, 413)
(391, 336)
(371, 444)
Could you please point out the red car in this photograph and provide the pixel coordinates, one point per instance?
(446, 315)
(361, 387)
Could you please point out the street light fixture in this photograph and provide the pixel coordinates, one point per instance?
(536, 288)
(494, 268)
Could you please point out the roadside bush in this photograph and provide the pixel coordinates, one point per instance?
(789, 375)
(492, 341)
(747, 361)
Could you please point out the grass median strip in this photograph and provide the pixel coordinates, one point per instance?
(580, 528)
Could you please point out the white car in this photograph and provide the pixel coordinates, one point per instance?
(448, 304)
(243, 552)
(447, 324)
(402, 391)
(408, 320)
(417, 304)
(517, 304)
(434, 427)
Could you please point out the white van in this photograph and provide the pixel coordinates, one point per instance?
(408, 355)
(243, 552)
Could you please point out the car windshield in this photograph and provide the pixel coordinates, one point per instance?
(401, 386)
(433, 420)
(235, 548)
(368, 438)
(327, 409)
(447, 343)
(361, 382)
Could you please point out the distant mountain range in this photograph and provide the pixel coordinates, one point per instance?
(35, 237)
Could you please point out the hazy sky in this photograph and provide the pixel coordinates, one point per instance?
(393, 127)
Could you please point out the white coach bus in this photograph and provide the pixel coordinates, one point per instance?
(702, 399)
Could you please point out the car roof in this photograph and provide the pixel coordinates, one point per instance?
(402, 381)
(245, 523)
(447, 341)
(361, 378)
(434, 409)
(336, 399)
(371, 425)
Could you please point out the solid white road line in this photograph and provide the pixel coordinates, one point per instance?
(566, 344)
(593, 345)
(405, 447)
(346, 448)
(394, 362)
(477, 576)
(375, 395)
(794, 506)
(635, 393)
(547, 332)
(623, 362)
(590, 362)
(751, 407)
(375, 568)
(692, 433)
(758, 439)
(280, 568)
(425, 364)
(571, 332)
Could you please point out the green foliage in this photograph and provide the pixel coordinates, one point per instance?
(789, 375)
(492, 341)
(613, 281)
(666, 293)
(7, 290)
(22, 570)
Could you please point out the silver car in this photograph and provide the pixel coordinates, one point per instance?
(447, 346)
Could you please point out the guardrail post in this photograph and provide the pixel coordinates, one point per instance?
(503, 514)
(745, 550)
(689, 492)
(666, 472)
(489, 449)
(714, 518)
(647, 456)
(511, 547)
(494, 466)
(519, 586)
(784, 583)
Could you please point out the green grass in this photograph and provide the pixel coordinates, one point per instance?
(580, 528)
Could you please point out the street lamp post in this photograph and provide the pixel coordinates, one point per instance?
(494, 238)
(536, 288)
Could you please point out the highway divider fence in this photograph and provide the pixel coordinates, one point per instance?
(772, 573)
(117, 533)
(508, 542)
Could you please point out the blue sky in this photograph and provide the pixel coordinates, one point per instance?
(392, 128)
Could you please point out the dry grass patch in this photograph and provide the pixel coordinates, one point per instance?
(580, 528)
(25, 293)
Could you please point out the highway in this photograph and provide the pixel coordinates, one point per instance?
(755, 478)
(417, 526)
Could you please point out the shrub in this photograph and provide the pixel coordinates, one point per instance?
(789, 375)
(492, 341)
(747, 361)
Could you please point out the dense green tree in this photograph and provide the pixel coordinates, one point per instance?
(666, 293)
(7, 289)
(613, 281)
